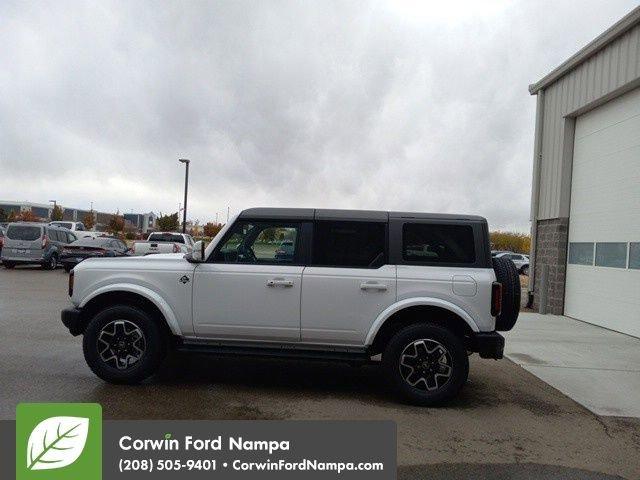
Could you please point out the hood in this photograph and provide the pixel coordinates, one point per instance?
(160, 261)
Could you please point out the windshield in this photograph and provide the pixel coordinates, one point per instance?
(166, 237)
(68, 225)
(24, 232)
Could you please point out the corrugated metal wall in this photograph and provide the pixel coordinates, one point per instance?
(612, 68)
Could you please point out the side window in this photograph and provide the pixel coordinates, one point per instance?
(349, 244)
(80, 227)
(438, 243)
(71, 237)
(261, 243)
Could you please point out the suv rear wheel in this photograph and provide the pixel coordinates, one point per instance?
(8, 265)
(426, 364)
(123, 344)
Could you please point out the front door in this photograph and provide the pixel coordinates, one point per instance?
(250, 287)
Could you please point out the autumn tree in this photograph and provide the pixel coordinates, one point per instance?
(56, 213)
(511, 241)
(88, 221)
(116, 224)
(211, 229)
(168, 223)
(23, 216)
(3, 215)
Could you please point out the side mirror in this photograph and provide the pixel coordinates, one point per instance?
(197, 255)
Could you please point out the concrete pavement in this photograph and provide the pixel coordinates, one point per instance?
(596, 367)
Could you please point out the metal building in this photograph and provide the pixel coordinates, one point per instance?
(585, 208)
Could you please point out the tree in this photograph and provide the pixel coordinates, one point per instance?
(56, 213)
(88, 221)
(23, 216)
(3, 215)
(211, 229)
(168, 223)
(512, 241)
(116, 223)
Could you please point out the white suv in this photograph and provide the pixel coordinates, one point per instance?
(414, 292)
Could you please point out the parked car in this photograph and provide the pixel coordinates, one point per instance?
(34, 243)
(352, 291)
(77, 228)
(1, 239)
(163, 242)
(84, 248)
(520, 261)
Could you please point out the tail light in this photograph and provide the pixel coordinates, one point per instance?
(176, 248)
(71, 277)
(496, 299)
(45, 241)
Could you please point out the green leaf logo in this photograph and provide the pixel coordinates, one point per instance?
(56, 442)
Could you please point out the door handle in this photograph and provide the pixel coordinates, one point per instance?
(373, 286)
(279, 282)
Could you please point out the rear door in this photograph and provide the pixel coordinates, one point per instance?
(245, 291)
(349, 282)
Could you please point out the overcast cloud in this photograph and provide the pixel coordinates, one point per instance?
(404, 105)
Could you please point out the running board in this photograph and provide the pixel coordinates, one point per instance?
(271, 352)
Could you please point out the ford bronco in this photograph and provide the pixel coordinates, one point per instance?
(416, 293)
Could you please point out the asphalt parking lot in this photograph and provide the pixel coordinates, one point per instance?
(506, 423)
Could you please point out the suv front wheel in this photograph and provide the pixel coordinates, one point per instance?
(123, 344)
(426, 364)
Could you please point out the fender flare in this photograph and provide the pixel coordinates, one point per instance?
(418, 301)
(147, 293)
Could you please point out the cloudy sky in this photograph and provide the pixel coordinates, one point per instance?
(398, 105)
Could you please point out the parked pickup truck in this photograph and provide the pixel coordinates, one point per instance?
(414, 293)
(78, 228)
(163, 242)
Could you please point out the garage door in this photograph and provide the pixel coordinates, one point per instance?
(603, 271)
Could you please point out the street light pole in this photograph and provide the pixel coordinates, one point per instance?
(186, 188)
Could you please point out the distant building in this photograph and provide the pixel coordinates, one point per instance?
(142, 222)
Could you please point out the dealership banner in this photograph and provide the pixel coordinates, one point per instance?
(71, 441)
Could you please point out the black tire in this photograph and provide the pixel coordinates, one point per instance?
(68, 268)
(525, 270)
(155, 345)
(507, 275)
(50, 264)
(402, 346)
(8, 265)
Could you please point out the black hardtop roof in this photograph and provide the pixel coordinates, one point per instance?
(353, 215)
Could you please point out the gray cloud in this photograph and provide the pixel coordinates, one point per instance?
(330, 104)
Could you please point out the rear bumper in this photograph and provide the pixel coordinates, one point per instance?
(22, 260)
(72, 319)
(488, 344)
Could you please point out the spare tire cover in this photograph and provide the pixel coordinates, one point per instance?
(507, 275)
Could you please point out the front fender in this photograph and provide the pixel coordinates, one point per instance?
(147, 293)
(418, 301)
